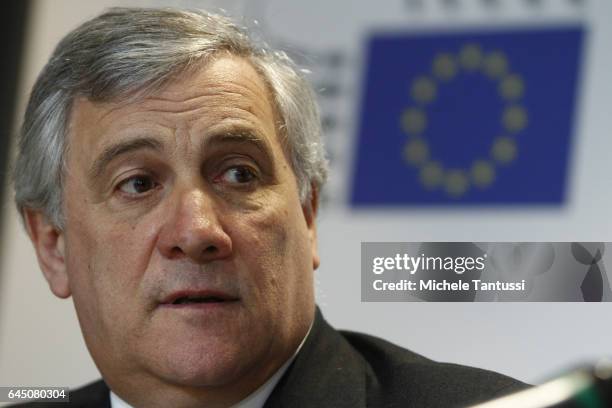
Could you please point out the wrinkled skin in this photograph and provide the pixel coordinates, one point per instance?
(200, 195)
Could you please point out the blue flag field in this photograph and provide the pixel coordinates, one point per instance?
(467, 117)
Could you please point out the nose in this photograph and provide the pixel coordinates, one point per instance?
(194, 230)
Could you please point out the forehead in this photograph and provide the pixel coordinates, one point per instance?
(227, 90)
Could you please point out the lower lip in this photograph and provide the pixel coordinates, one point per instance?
(208, 306)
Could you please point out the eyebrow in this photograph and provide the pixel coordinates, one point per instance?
(239, 135)
(233, 135)
(113, 151)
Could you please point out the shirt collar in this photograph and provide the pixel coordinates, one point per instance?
(256, 399)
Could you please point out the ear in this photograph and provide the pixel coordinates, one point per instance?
(48, 242)
(310, 208)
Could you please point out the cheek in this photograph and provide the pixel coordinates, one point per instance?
(270, 243)
(105, 264)
(263, 234)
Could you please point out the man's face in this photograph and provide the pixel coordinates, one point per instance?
(188, 253)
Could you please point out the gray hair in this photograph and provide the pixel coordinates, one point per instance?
(135, 51)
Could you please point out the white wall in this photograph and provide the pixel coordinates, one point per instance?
(40, 342)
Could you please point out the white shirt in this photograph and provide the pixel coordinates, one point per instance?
(256, 399)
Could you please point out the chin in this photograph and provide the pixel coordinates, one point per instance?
(205, 364)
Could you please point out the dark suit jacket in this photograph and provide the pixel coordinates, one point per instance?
(352, 370)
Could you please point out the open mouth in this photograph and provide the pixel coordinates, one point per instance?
(192, 297)
(198, 299)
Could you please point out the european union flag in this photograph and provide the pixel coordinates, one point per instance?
(467, 117)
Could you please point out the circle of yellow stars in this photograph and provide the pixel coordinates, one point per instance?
(423, 91)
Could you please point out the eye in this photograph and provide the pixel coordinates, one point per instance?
(238, 175)
(137, 185)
